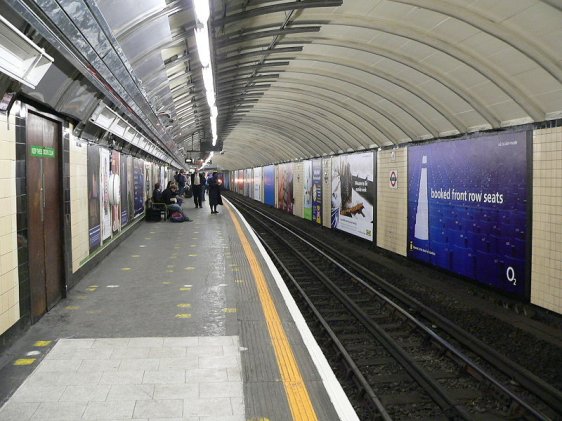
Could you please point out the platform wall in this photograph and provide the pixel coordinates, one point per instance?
(392, 200)
(298, 189)
(326, 192)
(546, 274)
(78, 166)
(9, 287)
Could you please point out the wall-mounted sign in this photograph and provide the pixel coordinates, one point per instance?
(393, 179)
(42, 152)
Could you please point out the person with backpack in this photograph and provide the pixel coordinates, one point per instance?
(174, 210)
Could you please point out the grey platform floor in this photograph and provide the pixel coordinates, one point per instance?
(168, 327)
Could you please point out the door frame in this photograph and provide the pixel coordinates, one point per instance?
(62, 127)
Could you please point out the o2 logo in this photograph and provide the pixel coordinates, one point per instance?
(510, 275)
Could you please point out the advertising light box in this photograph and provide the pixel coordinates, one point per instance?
(353, 194)
(269, 185)
(468, 207)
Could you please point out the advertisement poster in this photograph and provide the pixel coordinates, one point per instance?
(285, 188)
(317, 191)
(240, 181)
(467, 208)
(269, 185)
(148, 179)
(104, 203)
(248, 183)
(94, 218)
(130, 187)
(124, 202)
(307, 202)
(257, 184)
(115, 190)
(138, 186)
(353, 194)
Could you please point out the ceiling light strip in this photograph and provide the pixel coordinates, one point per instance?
(202, 13)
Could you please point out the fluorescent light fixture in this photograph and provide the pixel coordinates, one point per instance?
(202, 10)
(203, 47)
(20, 58)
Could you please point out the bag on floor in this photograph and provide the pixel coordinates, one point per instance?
(178, 217)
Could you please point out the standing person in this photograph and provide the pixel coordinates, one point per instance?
(197, 182)
(182, 181)
(214, 192)
(203, 185)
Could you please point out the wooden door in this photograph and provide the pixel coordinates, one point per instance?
(44, 214)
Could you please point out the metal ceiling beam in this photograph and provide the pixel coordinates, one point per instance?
(282, 7)
(232, 40)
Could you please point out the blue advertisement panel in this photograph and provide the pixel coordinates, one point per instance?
(269, 185)
(307, 200)
(467, 208)
(353, 194)
(138, 184)
(317, 190)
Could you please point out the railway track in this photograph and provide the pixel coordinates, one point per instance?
(397, 358)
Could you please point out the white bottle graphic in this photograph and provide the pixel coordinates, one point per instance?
(421, 228)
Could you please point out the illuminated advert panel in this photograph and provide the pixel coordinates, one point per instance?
(468, 208)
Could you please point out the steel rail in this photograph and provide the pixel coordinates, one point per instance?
(552, 397)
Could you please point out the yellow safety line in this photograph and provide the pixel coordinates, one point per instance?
(295, 388)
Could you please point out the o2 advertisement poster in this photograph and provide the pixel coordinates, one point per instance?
(104, 196)
(468, 208)
(353, 194)
(317, 190)
(248, 183)
(307, 187)
(269, 185)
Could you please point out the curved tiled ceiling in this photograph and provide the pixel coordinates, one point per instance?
(379, 73)
(300, 79)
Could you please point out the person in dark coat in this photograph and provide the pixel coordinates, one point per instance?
(214, 187)
(197, 183)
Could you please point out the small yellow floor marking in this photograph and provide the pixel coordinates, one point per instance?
(135, 255)
(192, 255)
(42, 343)
(293, 382)
(170, 266)
(173, 257)
(152, 232)
(24, 361)
(195, 232)
(194, 238)
(166, 282)
(184, 305)
(125, 268)
(93, 312)
(239, 281)
(235, 270)
(169, 271)
(80, 297)
(91, 289)
(148, 238)
(185, 289)
(92, 286)
(229, 310)
(183, 316)
(72, 307)
(189, 268)
(233, 265)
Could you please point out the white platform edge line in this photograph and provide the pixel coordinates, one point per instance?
(333, 387)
